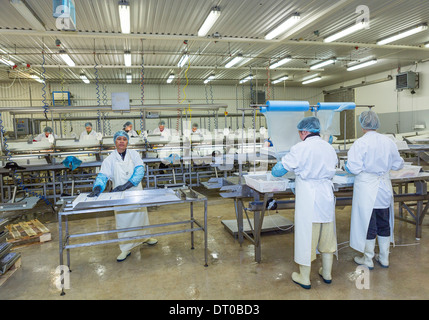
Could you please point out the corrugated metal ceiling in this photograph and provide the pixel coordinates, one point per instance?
(160, 28)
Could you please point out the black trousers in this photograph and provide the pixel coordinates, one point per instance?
(379, 224)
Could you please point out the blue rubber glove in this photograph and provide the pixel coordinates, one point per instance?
(278, 170)
(347, 169)
(331, 139)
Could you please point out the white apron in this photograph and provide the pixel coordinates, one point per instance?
(305, 194)
(365, 191)
(123, 170)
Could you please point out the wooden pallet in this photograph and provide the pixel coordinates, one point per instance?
(10, 272)
(29, 232)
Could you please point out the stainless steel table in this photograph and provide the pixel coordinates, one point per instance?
(128, 200)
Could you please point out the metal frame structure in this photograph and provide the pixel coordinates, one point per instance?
(344, 195)
(131, 201)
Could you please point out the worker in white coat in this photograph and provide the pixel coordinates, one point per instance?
(128, 128)
(46, 135)
(370, 158)
(89, 133)
(165, 132)
(313, 161)
(124, 167)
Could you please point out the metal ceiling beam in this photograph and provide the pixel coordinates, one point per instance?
(112, 35)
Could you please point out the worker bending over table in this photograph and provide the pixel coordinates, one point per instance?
(126, 170)
(128, 128)
(370, 158)
(314, 161)
(46, 135)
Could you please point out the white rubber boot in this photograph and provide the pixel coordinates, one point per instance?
(303, 277)
(326, 269)
(123, 256)
(383, 257)
(368, 254)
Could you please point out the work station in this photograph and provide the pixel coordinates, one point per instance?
(214, 150)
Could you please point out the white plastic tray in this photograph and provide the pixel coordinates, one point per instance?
(266, 182)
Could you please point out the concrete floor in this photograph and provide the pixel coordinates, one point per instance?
(170, 270)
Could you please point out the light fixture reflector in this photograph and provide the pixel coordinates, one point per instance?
(352, 29)
(289, 23)
(280, 62)
(209, 22)
(127, 58)
(362, 65)
(312, 80)
(124, 16)
(403, 34)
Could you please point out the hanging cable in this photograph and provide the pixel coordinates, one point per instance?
(97, 91)
(45, 105)
(142, 91)
(268, 82)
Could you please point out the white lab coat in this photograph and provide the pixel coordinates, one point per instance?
(371, 158)
(42, 137)
(132, 133)
(120, 171)
(313, 161)
(85, 136)
(165, 133)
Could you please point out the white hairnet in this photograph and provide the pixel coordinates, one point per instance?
(311, 124)
(369, 120)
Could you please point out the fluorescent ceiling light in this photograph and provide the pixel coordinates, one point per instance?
(312, 80)
(362, 65)
(356, 27)
(183, 60)
(84, 78)
(7, 62)
(210, 78)
(36, 77)
(209, 22)
(322, 64)
(426, 45)
(170, 78)
(28, 14)
(403, 34)
(127, 58)
(280, 79)
(280, 62)
(124, 16)
(246, 79)
(129, 78)
(234, 61)
(283, 27)
(66, 58)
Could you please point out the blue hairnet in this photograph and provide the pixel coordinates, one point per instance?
(48, 129)
(161, 123)
(120, 133)
(369, 120)
(88, 124)
(126, 124)
(311, 124)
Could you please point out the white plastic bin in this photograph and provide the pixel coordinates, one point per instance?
(266, 182)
